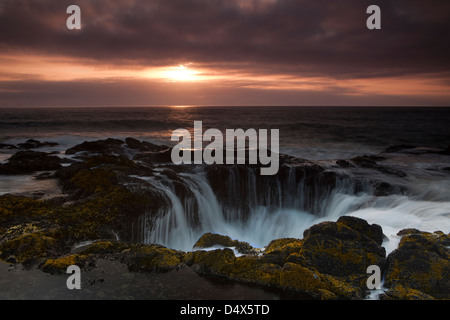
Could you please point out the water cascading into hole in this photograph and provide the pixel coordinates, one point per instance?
(249, 208)
(239, 203)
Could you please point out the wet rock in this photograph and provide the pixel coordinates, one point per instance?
(209, 240)
(152, 258)
(344, 164)
(397, 148)
(7, 146)
(34, 144)
(109, 146)
(26, 162)
(283, 250)
(153, 157)
(421, 262)
(342, 250)
(29, 248)
(370, 162)
(60, 265)
(399, 292)
(330, 262)
(144, 145)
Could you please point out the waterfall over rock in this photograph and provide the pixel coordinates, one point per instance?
(234, 200)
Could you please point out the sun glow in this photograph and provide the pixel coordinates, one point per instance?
(180, 73)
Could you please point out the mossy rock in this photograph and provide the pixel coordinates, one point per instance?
(99, 215)
(281, 244)
(348, 228)
(254, 270)
(257, 270)
(60, 265)
(18, 209)
(344, 248)
(337, 257)
(29, 247)
(215, 262)
(152, 258)
(209, 240)
(278, 251)
(318, 285)
(421, 262)
(103, 248)
(399, 292)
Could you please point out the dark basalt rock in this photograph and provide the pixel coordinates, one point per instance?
(209, 240)
(153, 157)
(344, 164)
(330, 262)
(370, 162)
(397, 148)
(26, 162)
(7, 146)
(420, 264)
(109, 146)
(34, 144)
(144, 145)
(343, 248)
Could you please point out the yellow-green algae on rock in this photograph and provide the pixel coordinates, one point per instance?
(420, 266)
(330, 262)
(28, 247)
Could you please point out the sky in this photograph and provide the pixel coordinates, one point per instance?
(224, 52)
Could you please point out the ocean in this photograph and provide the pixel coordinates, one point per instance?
(313, 133)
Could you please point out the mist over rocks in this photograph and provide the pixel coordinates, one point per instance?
(129, 194)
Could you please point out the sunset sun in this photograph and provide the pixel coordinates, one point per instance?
(180, 73)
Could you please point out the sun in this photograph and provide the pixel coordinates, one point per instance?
(180, 73)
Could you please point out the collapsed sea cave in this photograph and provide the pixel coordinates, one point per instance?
(314, 227)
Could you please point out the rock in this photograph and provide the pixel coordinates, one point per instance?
(421, 262)
(29, 248)
(283, 250)
(144, 145)
(152, 258)
(26, 162)
(109, 146)
(7, 146)
(344, 164)
(342, 250)
(372, 231)
(45, 175)
(398, 292)
(370, 162)
(397, 148)
(330, 262)
(60, 265)
(34, 144)
(209, 240)
(152, 157)
(348, 228)
(11, 259)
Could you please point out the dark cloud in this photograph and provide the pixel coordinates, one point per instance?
(315, 38)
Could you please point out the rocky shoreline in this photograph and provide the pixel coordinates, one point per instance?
(102, 198)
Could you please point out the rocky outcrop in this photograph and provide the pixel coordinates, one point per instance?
(116, 183)
(29, 144)
(26, 162)
(420, 266)
(35, 144)
(330, 261)
(209, 240)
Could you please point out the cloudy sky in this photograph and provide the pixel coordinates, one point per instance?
(224, 52)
